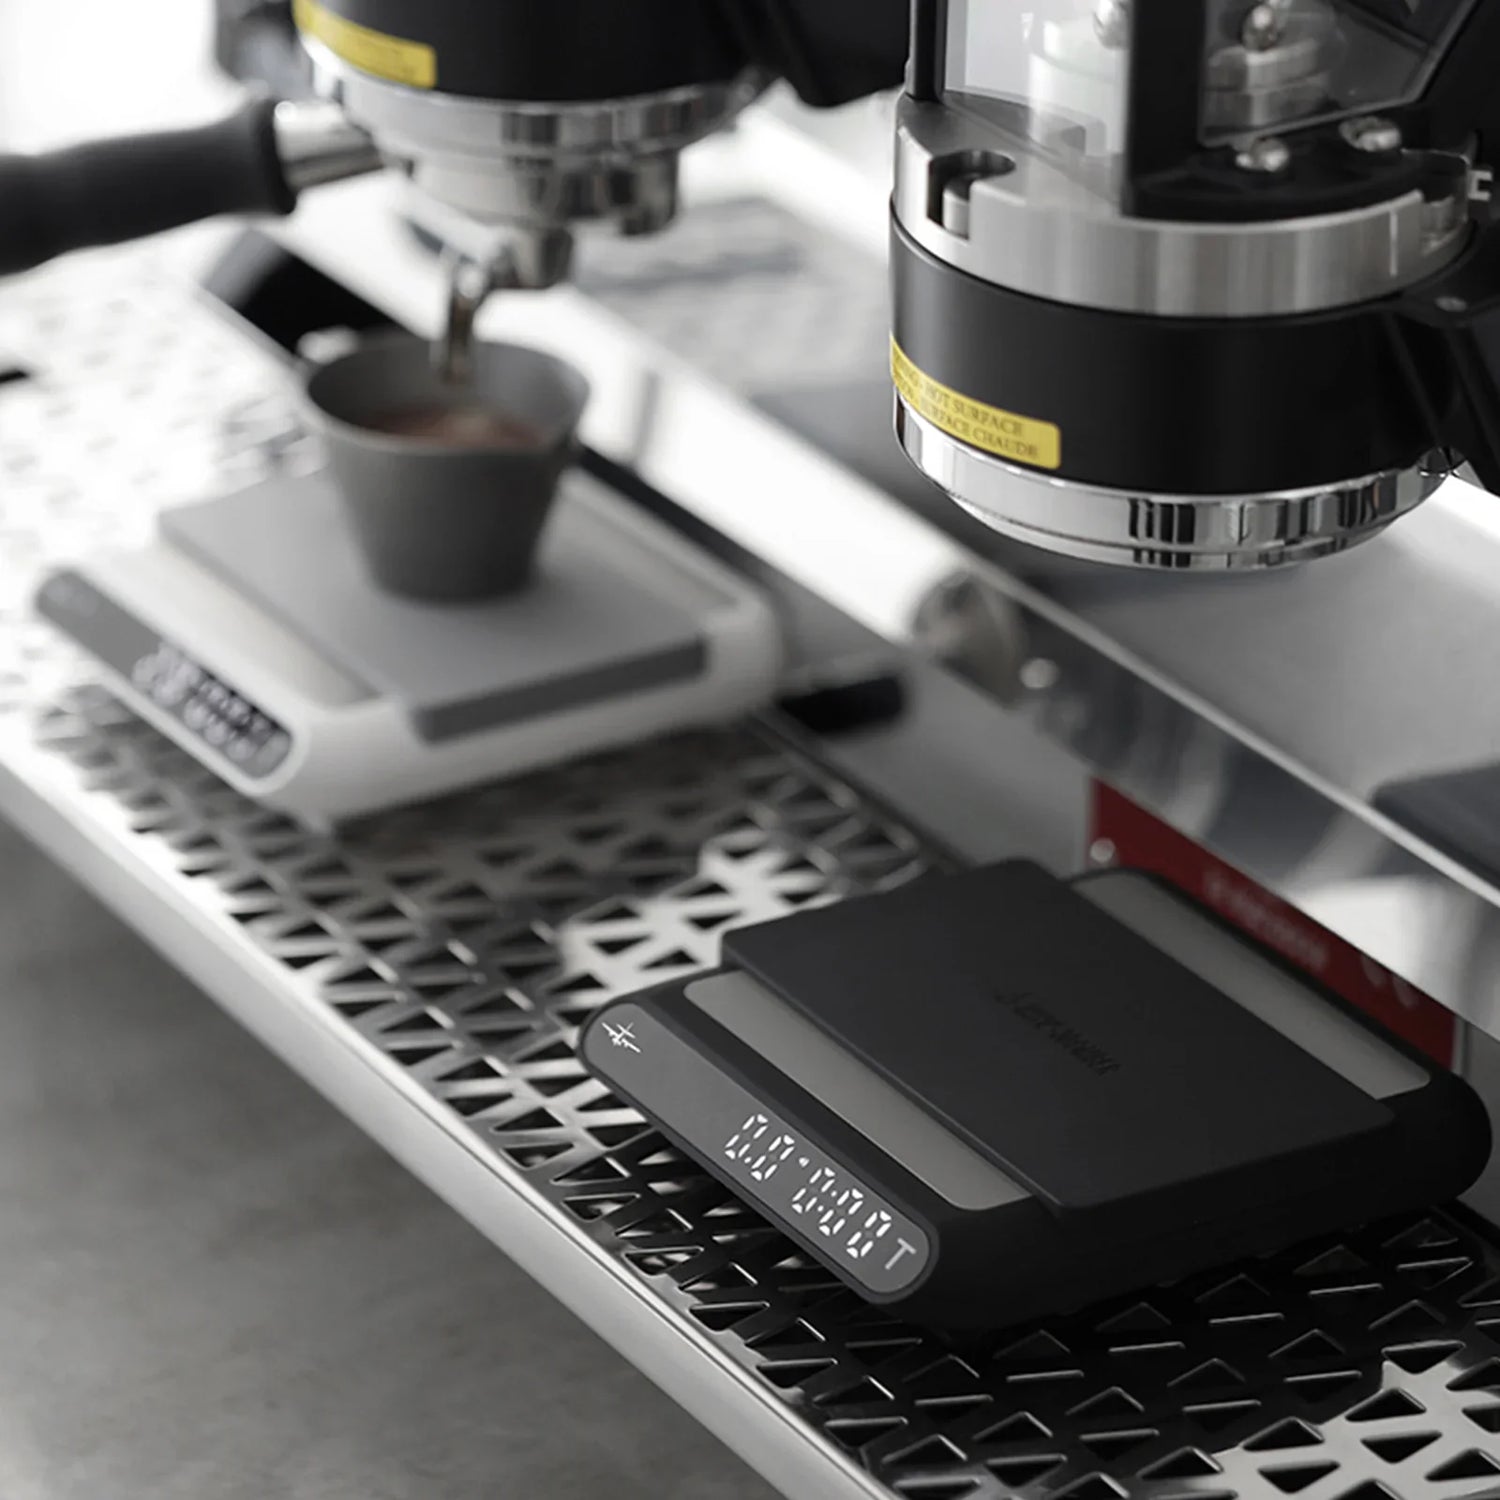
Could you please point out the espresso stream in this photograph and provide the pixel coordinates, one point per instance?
(459, 427)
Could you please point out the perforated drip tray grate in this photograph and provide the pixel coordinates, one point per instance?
(467, 948)
(457, 949)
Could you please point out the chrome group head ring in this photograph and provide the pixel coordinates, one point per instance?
(1171, 532)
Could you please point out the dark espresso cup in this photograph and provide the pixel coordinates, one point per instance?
(447, 488)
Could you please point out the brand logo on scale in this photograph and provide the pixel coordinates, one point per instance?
(1024, 1006)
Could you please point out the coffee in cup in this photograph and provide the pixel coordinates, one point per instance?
(447, 488)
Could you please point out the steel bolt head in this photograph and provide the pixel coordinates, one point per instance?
(1261, 29)
(1372, 134)
(1269, 154)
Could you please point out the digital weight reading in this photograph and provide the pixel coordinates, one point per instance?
(828, 1201)
(839, 1216)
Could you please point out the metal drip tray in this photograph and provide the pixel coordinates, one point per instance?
(429, 971)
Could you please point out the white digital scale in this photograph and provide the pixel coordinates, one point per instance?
(249, 632)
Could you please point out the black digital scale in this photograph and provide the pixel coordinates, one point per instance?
(991, 1095)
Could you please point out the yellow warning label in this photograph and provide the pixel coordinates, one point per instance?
(1021, 439)
(390, 57)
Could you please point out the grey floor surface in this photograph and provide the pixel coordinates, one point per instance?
(212, 1287)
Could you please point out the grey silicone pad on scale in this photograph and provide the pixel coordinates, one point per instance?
(853, 1091)
(1243, 973)
(604, 618)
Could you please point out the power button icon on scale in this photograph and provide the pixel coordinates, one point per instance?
(622, 1035)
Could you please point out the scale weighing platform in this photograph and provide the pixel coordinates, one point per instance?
(249, 632)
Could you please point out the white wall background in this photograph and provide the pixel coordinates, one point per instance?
(70, 69)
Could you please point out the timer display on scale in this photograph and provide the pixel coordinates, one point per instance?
(826, 1200)
(788, 1175)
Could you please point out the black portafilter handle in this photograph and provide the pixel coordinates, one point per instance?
(108, 192)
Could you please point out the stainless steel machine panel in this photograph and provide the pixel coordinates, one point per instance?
(429, 970)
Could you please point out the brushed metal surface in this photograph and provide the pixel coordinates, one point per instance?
(213, 1287)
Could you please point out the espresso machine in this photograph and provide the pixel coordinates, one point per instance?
(1271, 212)
(1189, 289)
(1274, 212)
(625, 631)
(533, 123)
